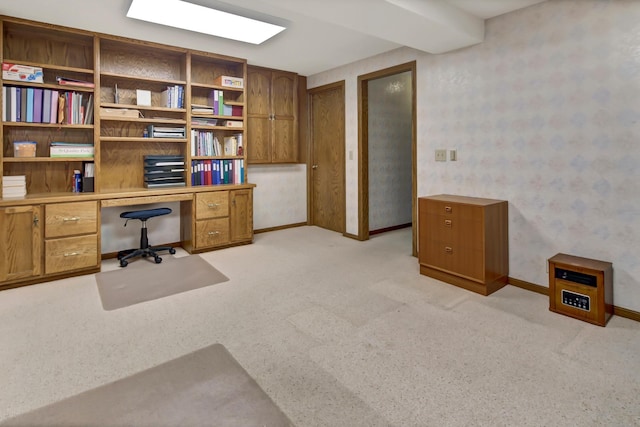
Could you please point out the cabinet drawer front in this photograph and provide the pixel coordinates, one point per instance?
(212, 205)
(455, 259)
(71, 253)
(68, 219)
(212, 232)
(452, 230)
(453, 210)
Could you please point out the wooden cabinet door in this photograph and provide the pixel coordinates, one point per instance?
(258, 144)
(20, 242)
(241, 215)
(284, 102)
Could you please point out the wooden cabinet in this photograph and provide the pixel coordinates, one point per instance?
(272, 116)
(71, 237)
(219, 218)
(122, 88)
(241, 215)
(20, 243)
(464, 241)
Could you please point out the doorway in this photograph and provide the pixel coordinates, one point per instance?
(387, 146)
(327, 146)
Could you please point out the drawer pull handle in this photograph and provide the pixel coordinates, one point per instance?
(71, 254)
(73, 218)
(448, 222)
(213, 233)
(213, 205)
(448, 249)
(448, 209)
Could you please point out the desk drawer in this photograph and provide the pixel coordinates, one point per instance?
(454, 259)
(212, 232)
(71, 253)
(212, 205)
(68, 219)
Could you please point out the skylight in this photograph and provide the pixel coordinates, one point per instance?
(192, 17)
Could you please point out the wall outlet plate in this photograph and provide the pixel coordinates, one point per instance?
(441, 155)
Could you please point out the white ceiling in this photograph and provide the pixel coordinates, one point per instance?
(320, 34)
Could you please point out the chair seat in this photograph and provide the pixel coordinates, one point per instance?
(145, 214)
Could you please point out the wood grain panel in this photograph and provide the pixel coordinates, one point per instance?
(241, 215)
(68, 219)
(212, 232)
(122, 162)
(327, 139)
(141, 60)
(71, 253)
(212, 205)
(20, 242)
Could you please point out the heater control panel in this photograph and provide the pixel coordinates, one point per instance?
(576, 300)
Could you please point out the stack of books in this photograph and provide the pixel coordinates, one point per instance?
(70, 149)
(164, 171)
(14, 186)
(166, 131)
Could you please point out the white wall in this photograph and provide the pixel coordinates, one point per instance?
(544, 113)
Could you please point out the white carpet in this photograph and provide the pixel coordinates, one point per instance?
(338, 333)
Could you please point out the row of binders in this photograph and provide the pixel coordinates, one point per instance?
(217, 171)
(38, 105)
(206, 143)
(217, 101)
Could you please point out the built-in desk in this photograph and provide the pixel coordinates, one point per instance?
(57, 235)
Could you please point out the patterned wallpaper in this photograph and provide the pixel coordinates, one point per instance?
(544, 113)
(389, 151)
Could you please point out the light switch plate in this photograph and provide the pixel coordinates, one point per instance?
(453, 155)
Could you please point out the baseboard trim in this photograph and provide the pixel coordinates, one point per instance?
(618, 311)
(280, 227)
(384, 230)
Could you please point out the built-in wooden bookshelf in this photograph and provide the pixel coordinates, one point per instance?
(118, 68)
(121, 101)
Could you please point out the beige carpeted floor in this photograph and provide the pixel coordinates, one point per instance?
(338, 333)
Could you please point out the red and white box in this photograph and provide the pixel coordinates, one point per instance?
(22, 73)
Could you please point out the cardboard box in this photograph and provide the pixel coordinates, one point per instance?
(24, 149)
(22, 73)
(228, 81)
(118, 113)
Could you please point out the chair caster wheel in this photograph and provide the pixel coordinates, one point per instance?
(124, 263)
(158, 260)
(172, 251)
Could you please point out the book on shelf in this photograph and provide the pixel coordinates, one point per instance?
(172, 97)
(201, 109)
(204, 121)
(232, 123)
(66, 81)
(71, 149)
(22, 73)
(14, 186)
(166, 131)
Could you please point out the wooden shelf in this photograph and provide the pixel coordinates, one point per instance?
(46, 159)
(143, 79)
(46, 125)
(140, 139)
(141, 107)
(212, 86)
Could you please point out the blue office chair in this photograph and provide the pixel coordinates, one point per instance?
(144, 250)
